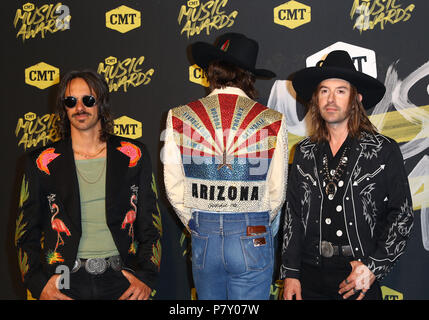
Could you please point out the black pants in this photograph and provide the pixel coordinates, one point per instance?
(107, 286)
(323, 282)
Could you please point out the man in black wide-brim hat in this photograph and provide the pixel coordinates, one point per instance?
(348, 205)
(225, 172)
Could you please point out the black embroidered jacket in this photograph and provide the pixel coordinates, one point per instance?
(48, 227)
(376, 205)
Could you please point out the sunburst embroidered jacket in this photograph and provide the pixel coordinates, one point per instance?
(225, 153)
(377, 205)
(48, 228)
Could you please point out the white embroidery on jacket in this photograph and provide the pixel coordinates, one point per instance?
(306, 175)
(371, 175)
(369, 208)
(287, 229)
(306, 149)
(379, 271)
(402, 225)
(371, 146)
(305, 205)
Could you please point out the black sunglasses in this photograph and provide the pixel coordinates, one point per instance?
(88, 101)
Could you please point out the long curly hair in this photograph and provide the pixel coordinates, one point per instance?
(99, 87)
(357, 124)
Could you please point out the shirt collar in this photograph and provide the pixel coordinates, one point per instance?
(229, 90)
(327, 149)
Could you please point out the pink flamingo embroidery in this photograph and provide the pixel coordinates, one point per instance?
(58, 225)
(130, 217)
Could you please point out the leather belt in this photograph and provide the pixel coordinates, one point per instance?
(97, 266)
(328, 250)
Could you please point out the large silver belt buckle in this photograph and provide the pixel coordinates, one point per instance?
(96, 265)
(327, 249)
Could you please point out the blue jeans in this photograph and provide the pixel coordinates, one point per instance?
(226, 263)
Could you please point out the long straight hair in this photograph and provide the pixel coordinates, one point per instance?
(99, 87)
(357, 124)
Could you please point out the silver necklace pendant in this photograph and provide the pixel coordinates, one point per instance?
(331, 189)
(333, 175)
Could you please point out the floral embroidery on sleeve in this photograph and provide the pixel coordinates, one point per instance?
(156, 215)
(23, 196)
(20, 228)
(156, 254)
(23, 263)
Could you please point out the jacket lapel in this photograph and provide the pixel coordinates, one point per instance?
(117, 165)
(355, 150)
(318, 157)
(63, 172)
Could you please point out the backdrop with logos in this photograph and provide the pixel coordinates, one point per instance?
(142, 49)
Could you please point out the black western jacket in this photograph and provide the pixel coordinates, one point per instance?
(48, 227)
(376, 206)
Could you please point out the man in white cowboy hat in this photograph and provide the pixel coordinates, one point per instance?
(348, 208)
(225, 169)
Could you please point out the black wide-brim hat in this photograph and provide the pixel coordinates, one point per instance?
(234, 48)
(338, 64)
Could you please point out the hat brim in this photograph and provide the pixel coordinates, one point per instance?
(305, 82)
(204, 53)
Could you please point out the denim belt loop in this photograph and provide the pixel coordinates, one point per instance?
(246, 215)
(196, 218)
(221, 223)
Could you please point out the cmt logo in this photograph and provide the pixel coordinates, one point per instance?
(363, 59)
(123, 19)
(390, 294)
(193, 3)
(197, 75)
(42, 75)
(30, 116)
(110, 61)
(127, 127)
(27, 7)
(292, 14)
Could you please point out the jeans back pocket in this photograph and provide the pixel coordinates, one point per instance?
(257, 251)
(199, 248)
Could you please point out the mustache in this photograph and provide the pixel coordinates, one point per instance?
(331, 105)
(79, 113)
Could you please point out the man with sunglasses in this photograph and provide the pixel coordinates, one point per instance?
(87, 206)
